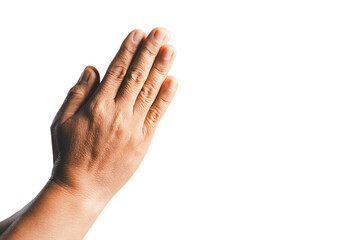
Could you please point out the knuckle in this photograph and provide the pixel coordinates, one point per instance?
(160, 69)
(148, 92)
(121, 131)
(128, 48)
(154, 114)
(121, 125)
(151, 49)
(76, 91)
(164, 101)
(97, 108)
(137, 75)
(116, 72)
(120, 119)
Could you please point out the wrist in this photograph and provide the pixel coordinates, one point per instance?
(79, 183)
(85, 199)
(56, 211)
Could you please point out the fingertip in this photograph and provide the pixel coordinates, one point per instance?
(167, 32)
(94, 73)
(161, 29)
(168, 52)
(171, 83)
(137, 35)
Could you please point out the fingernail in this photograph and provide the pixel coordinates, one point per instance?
(137, 36)
(167, 53)
(84, 76)
(172, 84)
(159, 35)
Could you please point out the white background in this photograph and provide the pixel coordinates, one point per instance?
(262, 138)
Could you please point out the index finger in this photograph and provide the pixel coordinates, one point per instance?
(118, 67)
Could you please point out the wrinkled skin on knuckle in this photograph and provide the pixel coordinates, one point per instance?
(151, 49)
(147, 92)
(137, 75)
(76, 91)
(116, 72)
(127, 48)
(161, 69)
(154, 114)
(165, 101)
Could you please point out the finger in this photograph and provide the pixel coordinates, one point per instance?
(78, 94)
(153, 83)
(161, 103)
(118, 67)
(141, 66)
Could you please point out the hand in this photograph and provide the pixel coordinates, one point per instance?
(103, 130)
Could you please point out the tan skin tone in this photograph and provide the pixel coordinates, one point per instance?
(100, 136)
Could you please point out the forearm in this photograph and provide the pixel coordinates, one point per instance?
(5, 224)
(55, 213)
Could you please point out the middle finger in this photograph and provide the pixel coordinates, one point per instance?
(140, 68)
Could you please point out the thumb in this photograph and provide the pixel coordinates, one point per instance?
(78, 94)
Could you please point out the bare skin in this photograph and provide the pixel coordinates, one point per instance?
(100, 135)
